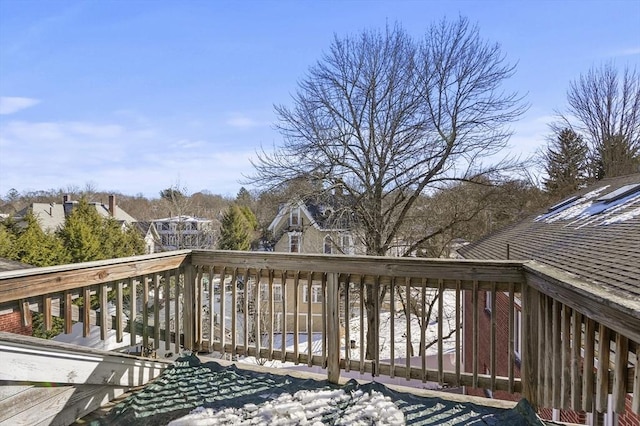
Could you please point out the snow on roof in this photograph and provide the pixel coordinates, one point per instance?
(595, 208)
(183, 218)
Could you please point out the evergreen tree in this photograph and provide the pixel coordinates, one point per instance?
(35, 247)
(87, 236)
(566, 163)
(235, 233)
(82, 233)
(244, 198)
(7, 242)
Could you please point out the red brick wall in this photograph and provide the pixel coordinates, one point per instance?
(12, 323)
(501, 309)
(484, 341)
(628, 418)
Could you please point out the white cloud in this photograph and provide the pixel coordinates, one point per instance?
(243, 122)
(113, 156)
(632, 51)
(12, 104)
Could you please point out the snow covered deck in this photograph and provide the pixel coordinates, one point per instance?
(189, 300)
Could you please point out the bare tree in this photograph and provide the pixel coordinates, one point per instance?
(385, 118)
(606, 107)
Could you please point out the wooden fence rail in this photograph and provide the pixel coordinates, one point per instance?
(501, 326)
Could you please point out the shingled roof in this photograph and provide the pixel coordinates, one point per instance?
(594, 235)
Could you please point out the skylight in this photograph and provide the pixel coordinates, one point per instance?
(619, 193)
(562, 204)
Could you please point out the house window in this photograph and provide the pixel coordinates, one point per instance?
(294, 243)
(328, 246)
(294, 217)
(172, 240)
(345, 243)
(316, 294)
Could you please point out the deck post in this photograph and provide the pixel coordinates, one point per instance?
(529, 360)
(333, 329)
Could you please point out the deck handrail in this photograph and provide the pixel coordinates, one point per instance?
(193, 299)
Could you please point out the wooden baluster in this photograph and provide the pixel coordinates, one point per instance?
(407, 282)
(245, 308)
(133, 311)
(119, 313)
(177, 310)
(104, 312)
(635, 403)
(474, 309)
(68, 312)
(362, 311)
(271, 314)
(620, 373)
(145, 311)
(166, 302)
(392, 337)
(494, 326)
(347, 324)
(333, 328)
(212, 311)
(576, 361)
(512, 348)
(589, 355)
(86, 311)
(556, 383)
(565, 397)
(602, 373)
(283, 330)
(309, 321)
(423, 330)
(296, 318)
(222, 320)
(440, 331)
(323, 292)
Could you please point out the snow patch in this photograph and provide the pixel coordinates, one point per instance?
(305, 407)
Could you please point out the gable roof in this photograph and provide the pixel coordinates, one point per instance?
(595, 235)
(12, 265)
(51, 216)
(321, 214)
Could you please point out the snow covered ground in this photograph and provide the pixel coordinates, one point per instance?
(399, 338)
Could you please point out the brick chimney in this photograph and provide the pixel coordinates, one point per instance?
(112, 205)
(66, 198)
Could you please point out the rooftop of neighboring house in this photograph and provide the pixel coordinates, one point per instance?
(51, 216)
(594, 234)
(11, 265)
(324, 213)
(183, 218)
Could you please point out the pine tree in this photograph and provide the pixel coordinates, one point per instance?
(566, 163)
(81, 233)
(235, 233)
(7, 242)
(35, 247)
(87, 236)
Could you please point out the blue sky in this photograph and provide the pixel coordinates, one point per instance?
(136, 96)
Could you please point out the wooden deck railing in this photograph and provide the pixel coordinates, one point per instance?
(321, 310)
